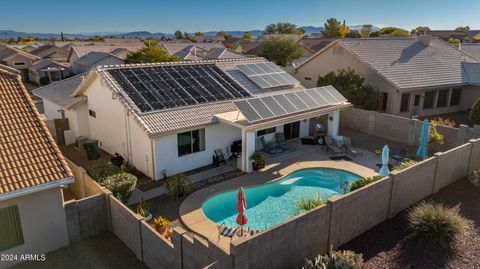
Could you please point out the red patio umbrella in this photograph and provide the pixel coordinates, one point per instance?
(241, 206)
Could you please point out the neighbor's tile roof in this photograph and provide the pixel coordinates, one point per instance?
(472, 49)
(28, 154)
(93, 57)
(60, 92)
(44, 63)
(409, 64)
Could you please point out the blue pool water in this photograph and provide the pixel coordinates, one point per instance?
(273, 203)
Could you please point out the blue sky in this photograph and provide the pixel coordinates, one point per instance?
(168, 16)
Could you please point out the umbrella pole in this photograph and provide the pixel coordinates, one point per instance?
(241, 230)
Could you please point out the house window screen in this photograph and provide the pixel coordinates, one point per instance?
(442, 98)
(11, 234)
(428, 100)
(191, 142)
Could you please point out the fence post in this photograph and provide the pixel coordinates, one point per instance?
(461, 134)
(392, 191)
(371, 122)
(437, 159)
(177, 246)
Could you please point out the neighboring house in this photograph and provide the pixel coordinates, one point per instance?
(45, 71)
(419, 76)
(224, 53)
(51, 52)
(447, 34)
(200, 51)
(315, 44)
(472, 49)
(32, 174)
(208, 39)
(17, 59)
(94, 59)
(246, 47)
(169, 118)
(75, 52)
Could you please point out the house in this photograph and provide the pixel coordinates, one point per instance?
(447, 34)
(51, 52)
(75, 52)
(169, 118)
(224, 53)
(17, 59)
(32, 174)
(418, 76)
(472, 49)
(200, 51)
(208, 38)
(94, 59)
(45, 71)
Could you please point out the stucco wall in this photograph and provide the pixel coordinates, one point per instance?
(452, 165)
(43, 222)
(217, 136)
(470, 94)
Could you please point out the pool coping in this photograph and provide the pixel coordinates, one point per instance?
(191, 213)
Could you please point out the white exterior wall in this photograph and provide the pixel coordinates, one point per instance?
(51, 110)
(470, 94)
(43, 221)
(140, 148)
(217, 136)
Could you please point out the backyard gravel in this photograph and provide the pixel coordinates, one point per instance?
(389, 245)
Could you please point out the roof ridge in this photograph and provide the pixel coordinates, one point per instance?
(59, 82)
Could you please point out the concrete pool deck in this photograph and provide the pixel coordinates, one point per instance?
(191, 213)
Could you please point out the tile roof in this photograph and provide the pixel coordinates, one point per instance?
(164, 121)
(83, 50)
(29, 156)
(409, 64)
(60, 92)
(7, 53)
(224, 53)
(174, 47)
(472, 49)
(44, 63)
(93, 57)
(316, 44)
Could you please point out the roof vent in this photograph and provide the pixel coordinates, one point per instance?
(424, 39)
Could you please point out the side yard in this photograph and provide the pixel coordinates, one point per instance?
(103, 251)
(388, 245)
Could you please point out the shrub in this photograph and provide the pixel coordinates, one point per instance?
(363, 182)
(336, 260)
(128, 168)
(435, 223)
(475, 178)
(444, 122)
(162, 225)
(308, 204)
(121, 185)
(474, 116)
(99, 173)
(178, 185)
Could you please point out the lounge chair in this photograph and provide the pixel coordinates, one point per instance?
(268, 146)
(280, 139)
(219, 157)
(232, 232)
(332, 146)
(350, 148)
(402, 156)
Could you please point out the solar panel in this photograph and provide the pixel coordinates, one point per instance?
(154, 88)
(267, 75)
(266, 107)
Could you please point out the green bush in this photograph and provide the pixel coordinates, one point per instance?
(436, 223)
(363, 182)
(475, 113)
(121, 185)
(178, 185)
(475, 178)
(128, 168)
(336, 260)
(99, 173)
(308, 204)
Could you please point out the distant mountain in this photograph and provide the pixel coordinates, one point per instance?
(6, 34)
(145, 34)
(360, 26)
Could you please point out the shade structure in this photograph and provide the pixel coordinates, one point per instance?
(422, 151)
(241, 207)
(384, 171)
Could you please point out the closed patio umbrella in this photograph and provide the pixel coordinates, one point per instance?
(422, 151)
(384, 171)
(241, 206)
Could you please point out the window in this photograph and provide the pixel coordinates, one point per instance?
(308, 78)
(455, 98)
(266, 131)
(428, 99)
(19, 63)
(92, 113)
(384, 101)
(337, 50)
(10, 228)
(191, 142)
(405, 102)
(442, 98)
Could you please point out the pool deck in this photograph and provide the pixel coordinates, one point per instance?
(191, 213)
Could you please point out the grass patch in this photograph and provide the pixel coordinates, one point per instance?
(304, 204)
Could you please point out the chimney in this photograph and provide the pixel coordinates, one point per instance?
(424, 39)
(61, 36)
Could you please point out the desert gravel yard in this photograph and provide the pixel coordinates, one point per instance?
(388, 245)
(104, 251)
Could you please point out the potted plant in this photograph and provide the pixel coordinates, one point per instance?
(162, 226)
(258, 161)
(143, 209)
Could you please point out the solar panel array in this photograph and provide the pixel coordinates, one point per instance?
(154, 88)
(262, 108)
(267, 75)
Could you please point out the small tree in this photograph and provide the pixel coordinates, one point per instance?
(453, 40)
(463, 29)
(394, 31)
(283, 28)
(366, 30)
(281, 50)
(247, 35)
(475, 113)
(331, 28)
(150, 54)
(344, 30)
(350, 84)
(420, 30)
(178, 34)
(354, 34)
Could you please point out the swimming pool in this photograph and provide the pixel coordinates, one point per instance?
(273, 203)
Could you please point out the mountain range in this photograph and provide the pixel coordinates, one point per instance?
(6, 34)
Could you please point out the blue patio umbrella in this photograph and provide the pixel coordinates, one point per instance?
(422, 151)
(384, 171)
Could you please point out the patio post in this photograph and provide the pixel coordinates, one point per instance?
(333, 123)
(248, 141)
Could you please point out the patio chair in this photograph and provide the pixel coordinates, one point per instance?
(280, 139)
(401, 156)
(347, 141)
(331, 145)
(268, 146)
(219, 157)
